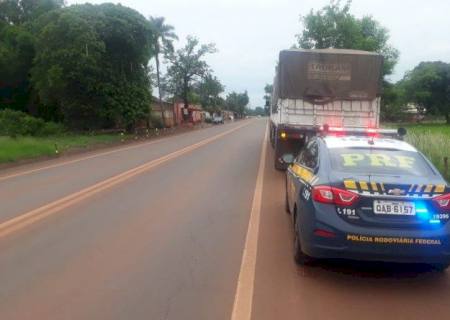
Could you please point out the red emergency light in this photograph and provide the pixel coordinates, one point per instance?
(368, 132)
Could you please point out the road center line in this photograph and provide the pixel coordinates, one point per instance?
(56, 165)
(243, 299)
(42, 212)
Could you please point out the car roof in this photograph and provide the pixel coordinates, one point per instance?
(333, 142)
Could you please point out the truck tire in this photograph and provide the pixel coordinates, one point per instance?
(272, 136)
(278, 165)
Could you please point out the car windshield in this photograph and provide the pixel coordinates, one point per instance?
(379, 161)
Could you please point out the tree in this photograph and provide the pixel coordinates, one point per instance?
(258, 111)
(17, 51)
(394, 104)
(335, 27)
(428, 87)
(16, 57)
(162, 37)
(268, 89)
(91, 61)
(187, 67)
(209, 90)
(17, 12)
(237, 102)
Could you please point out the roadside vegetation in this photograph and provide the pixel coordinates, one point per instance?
(434, 141)
(20, 148)
(69, 70)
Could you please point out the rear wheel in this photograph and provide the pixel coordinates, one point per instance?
(300, 258)
(441, 267)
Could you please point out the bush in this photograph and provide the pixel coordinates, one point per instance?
(156, 122)
(17, 123)
(51, 128)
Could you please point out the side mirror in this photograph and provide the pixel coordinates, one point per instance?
(288, 158)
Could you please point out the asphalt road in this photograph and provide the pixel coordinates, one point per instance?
(185, 227)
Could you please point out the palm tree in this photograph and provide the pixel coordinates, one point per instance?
(162, 42)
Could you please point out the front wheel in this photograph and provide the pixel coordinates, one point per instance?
(286, 201)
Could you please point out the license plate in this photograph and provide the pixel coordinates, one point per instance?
(399, 208)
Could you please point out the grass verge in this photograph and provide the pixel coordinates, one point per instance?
(433, 140)
(14, 149)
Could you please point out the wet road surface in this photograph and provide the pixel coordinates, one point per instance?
(159, 230)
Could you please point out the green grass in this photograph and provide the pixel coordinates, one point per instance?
(14, 149)
(433, 140)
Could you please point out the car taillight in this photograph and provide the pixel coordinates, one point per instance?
(323, 194)
(442, 201)
(332, 195)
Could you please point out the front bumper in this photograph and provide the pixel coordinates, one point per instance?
(428, 245)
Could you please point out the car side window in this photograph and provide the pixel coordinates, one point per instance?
(310, 156)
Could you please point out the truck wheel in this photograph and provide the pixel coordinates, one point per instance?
(272, 136)
(278, 165)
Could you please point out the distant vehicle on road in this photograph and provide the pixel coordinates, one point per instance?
(311, 88)
(218, 119)
(367, 197)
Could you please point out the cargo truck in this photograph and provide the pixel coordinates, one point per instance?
(324, 87)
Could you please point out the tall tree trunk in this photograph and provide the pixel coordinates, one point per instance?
(185, 99)
(447, 117)
(158, 79)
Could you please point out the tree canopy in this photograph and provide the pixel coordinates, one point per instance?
(237, 102)
(208, 91)
(428, 87)
(88, 65)
(268, 89)
(187, 68)
(91, 60)
(17, 50)
(335, 27)
(16, 12)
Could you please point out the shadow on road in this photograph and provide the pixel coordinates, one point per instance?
(373, 270)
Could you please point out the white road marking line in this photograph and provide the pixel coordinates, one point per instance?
(243, 299)
(44, 211)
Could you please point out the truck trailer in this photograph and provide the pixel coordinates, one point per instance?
(322, 87)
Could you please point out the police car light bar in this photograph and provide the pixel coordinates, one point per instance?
(372, 132)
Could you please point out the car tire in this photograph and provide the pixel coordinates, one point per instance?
(286, 202)
(440, 267)
(300, 257)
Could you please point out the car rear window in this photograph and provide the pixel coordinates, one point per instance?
(379, 161)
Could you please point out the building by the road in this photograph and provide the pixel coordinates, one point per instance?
(192, 114)
(156, 115)
(175, 114)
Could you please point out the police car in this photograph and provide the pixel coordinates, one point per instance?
(367, 196)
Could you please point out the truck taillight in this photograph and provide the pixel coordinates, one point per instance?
(442, 201)
(332, 195)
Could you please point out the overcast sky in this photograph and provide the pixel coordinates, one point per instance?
(250, 33)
